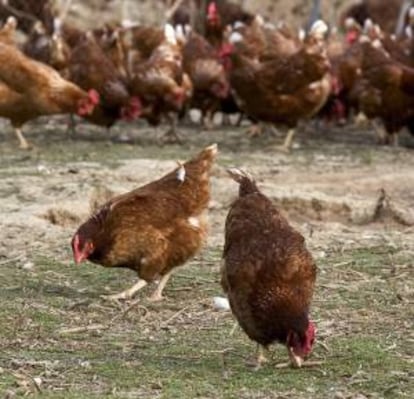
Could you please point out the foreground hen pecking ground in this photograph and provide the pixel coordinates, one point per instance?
(268, 274)
(152, 229)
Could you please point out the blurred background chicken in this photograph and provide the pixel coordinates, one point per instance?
(30, 89)
(279, 66)
(267, 273)
(152, 229)
(287, 87)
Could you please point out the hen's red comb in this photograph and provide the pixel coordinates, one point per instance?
(94, 96)
(212, 10)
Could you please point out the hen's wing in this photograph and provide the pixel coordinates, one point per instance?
(261, 244)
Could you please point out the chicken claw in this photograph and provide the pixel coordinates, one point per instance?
(259, 358)
(129, 293)
(287, 144)
(255, 130)
(171, 136)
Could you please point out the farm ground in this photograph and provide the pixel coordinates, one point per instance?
(352, 200)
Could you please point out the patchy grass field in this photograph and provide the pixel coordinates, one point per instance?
(60, 339)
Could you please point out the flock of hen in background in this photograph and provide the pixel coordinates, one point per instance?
(239, 64)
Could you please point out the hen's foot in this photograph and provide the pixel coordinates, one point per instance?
(255, 131)
(282, 148)
(171, 137)
(259, 359)
(208, 123)
(156, 297)
(127, 294)
(286, 147)
(25, 146)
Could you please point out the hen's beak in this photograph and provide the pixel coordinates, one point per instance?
(295, 360)
(79, 257)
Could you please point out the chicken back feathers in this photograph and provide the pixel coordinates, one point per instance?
(154, 228)
(267, 272)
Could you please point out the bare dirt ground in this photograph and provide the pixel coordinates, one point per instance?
(352, 200)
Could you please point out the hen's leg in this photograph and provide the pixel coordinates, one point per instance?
(394, 139)
(171, 135)
(71, 128)
(259, 358)
(208, 120)
(130, 292)
(382, 135)
(225, 121)
(255, 130)
(157, 294)
(240, 119)
(23, 143)
(287, 144)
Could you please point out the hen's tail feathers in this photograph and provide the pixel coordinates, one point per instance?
(202, 161)
(209, 153)
(245, 180)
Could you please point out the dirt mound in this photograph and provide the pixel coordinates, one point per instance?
(383, 210)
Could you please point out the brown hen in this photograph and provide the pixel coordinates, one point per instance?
(152, 229)
(210, 85)
(284, 89)
(30, 89)
(267, 273)
(386, 90)
(90, 68)
(160, 82)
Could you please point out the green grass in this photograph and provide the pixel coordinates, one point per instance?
(183, 348)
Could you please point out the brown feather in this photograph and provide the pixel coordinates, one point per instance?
(268, 273)
(156, 227)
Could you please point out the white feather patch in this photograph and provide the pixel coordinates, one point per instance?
(169, 34)
(368, 24)
(377, 43)
(238, 25)
(187, 29)
(236, 37)
(179, 33)
(364, 39)
(180, 172)
(318, 29)
(301, 34)
(350, 23)
(259, 20)
(11, 21)
(194, 222)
